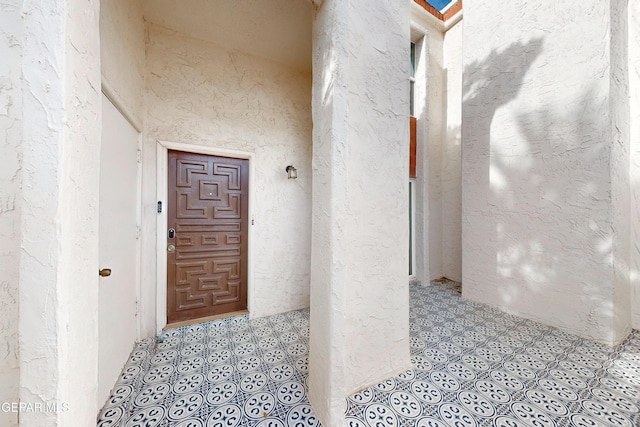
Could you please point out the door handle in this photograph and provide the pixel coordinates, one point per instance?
(171, 248)
(105, 272)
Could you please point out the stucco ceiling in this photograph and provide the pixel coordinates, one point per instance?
(276, 29)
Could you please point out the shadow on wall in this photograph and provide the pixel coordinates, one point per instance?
(529, 190)
(451, 179)
(488, 85)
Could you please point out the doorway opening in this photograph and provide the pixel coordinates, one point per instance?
(204, 262)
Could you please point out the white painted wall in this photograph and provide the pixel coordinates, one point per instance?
(537, 160)
(620, 167)
(11, 31)
(421, 106)
(432, 146)
(429, 111)
(58, 256)
(452, 156)
(122, 53)
(359, 289)
(438, 109)
(634, 91)
(428, 96)
(78, 214)
(200, 93)
(277, 30)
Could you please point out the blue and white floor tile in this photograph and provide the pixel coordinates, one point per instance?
(472, 366)
(224, 373)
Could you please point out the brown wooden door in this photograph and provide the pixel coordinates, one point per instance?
(208, 209)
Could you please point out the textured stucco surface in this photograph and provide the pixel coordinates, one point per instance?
(421, 109)
(634, 91)
(58, 258)
(620, 168)
(433, 149)
(451, 156)
(359, 289)
(78, 214)
(43, 111)
(429, 93)
(537, 187)
(122, 53)
(428, 109)
(11, 33)
(39, 257)
(327, 364)
(200, 93)
(438, 82)
(277, 30)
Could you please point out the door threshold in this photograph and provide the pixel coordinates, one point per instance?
(204, 319)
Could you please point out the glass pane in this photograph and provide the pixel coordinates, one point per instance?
(411, 89)
(413, 59)
(410, 228)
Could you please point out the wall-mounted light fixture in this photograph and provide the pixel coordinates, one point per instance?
(292, 172)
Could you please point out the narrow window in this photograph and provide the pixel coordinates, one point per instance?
(412, 118)
(412, 160)
(412, 79)
(412, 252)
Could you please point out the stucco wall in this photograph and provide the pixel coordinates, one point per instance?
(359, 310)
(78, 214)
(122, 53)
(421, 109)
(327, 346)
(634, 90)
(428, 109)
(620, 168)
(376, 208)
(58, 258)
(203, 94)
(537, 161)
(43, 117)
(452, 156)
(438, 82)
(433, 149)
(11, 33)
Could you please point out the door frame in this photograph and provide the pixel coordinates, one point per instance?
(162, 192)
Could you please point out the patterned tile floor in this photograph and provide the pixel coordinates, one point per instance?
(472, 366)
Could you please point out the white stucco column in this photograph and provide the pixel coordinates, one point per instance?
(359, 276)
(10, 195)
(634, 90)
(545, 161)
(58, 273)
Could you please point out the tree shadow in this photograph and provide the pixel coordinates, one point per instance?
(487, 85)
(534, 204)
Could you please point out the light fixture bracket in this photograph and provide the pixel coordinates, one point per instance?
(292, 173)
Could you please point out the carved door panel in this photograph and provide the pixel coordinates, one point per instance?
(207, 221)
